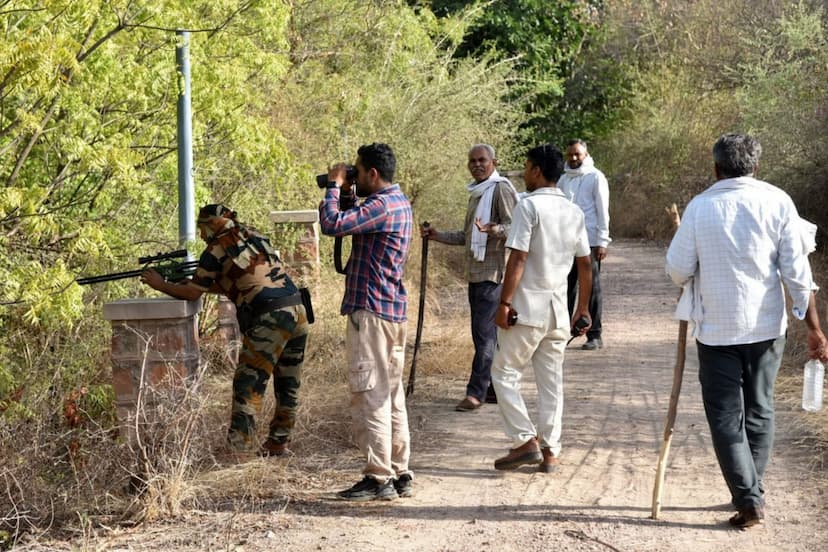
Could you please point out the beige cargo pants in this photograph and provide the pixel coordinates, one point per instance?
(376, 357)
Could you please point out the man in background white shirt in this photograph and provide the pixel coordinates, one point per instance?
(738, 243)
(587, 187)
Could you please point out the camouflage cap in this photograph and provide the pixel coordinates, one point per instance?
(215, 210)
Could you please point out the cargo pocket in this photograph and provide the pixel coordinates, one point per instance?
(362, 376)
(397, 361)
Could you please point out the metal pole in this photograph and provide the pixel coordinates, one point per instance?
(186, 193)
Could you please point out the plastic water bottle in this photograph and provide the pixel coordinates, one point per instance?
(812, 386)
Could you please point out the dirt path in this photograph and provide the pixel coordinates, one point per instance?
(616, 400)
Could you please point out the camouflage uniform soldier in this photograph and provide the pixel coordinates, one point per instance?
(240, 263)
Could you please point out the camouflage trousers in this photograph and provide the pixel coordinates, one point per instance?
(274, 345)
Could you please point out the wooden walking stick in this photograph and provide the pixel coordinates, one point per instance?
(678, 375)
(672, 409)
(412, 374)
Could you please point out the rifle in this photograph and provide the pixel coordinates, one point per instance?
(171, 271)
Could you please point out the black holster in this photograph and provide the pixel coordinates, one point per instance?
(306, 302)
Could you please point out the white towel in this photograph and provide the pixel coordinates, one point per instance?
(808, 231)
(485, 191)
(689, 305)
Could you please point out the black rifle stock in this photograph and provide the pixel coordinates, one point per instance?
(172, 271)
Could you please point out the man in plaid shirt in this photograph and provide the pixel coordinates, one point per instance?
(375, 303)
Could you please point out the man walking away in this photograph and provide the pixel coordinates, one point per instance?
(738, 243)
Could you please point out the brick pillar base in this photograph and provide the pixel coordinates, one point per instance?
(154, 350)
(228, 330)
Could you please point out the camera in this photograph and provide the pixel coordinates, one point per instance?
(350, 174)
(580, 324)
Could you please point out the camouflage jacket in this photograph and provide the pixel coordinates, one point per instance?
(240, 263)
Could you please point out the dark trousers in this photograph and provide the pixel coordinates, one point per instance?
(737, 388)
(595, 299)
(483, 300)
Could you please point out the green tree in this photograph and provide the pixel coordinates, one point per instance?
(545, 40)
(704, 68)
(87, 131)
(366, 72)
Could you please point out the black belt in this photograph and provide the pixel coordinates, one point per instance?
(262, 307)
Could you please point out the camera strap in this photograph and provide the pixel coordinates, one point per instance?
(337, 255)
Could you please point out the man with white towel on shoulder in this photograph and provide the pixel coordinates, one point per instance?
(492, 198)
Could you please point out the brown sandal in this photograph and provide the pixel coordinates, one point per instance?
(466, 406)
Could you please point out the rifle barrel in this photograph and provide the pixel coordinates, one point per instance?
(181, 269)
(108, 277)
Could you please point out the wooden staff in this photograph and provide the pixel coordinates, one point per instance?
(672, 409)
(412, 374)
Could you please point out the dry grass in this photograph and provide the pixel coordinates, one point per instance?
(51, 492)
(811, 428)
(325, 456)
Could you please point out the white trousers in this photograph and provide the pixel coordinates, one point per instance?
(543, 348)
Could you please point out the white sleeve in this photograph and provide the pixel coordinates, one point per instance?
(682, 257)
(524, 219)
(602, 210)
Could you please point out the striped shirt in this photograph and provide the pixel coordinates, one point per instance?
(738, 242)
(381, 227)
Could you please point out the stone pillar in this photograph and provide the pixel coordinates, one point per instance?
(305, 257)
(154, 350)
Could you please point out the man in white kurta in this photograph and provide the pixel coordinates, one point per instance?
(587, 188)
(547, 232)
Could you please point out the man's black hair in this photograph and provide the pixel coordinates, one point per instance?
(380, 157)
(736, 155)
(549, 159)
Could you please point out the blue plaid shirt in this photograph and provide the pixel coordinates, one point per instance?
(381, 228)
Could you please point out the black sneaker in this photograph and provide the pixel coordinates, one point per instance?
(403, 486)
(369, 489)
(593, 344)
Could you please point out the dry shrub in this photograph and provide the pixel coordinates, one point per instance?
(51, 473)
(59, 480)
(809, 430)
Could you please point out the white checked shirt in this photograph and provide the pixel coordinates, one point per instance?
(738, 242)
